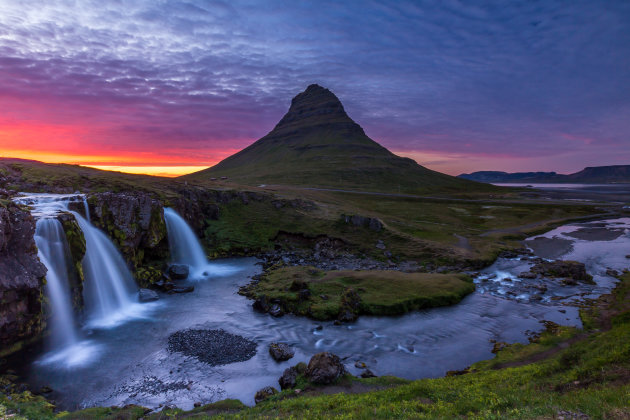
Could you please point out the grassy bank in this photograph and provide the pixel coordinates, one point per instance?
(324, 295)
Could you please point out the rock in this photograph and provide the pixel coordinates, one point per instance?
(612, 273)
(288, 378)
(276, 310)
(628, 256)
(265, 393)
(304, 294)
(368, 222)
(380, 244)
(147, 295)
(367, 373)
(324, 368)
(280, 351)
(45, 390)
(323, 297)
(572, 271)
(298, 285)
(261, 305)
(179, 271)
(360, 365)
(21, 278)
(164, 285)
(350, 306)
(186, 289)
(197, 404)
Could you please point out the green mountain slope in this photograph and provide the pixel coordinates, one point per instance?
(316, 144)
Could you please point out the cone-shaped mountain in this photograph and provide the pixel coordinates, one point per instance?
(316, 144)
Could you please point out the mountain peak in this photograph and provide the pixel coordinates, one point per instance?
(312, 107)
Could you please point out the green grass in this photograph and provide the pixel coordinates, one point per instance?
(380, 292)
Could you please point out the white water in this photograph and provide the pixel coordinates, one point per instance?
(183, 243)
(53, 252)
(67, 347)
(110, 291)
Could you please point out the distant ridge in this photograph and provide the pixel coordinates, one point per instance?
(589, 175)
(316, 144)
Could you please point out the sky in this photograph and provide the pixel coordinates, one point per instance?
(169, 87)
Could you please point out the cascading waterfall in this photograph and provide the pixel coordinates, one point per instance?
(109, 290)
(183, 243)
(53, 252)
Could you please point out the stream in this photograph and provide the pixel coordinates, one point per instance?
(130, 363)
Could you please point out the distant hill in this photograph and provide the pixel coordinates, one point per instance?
(590, 175)
(316, 144)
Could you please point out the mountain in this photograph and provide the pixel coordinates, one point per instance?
(316, 144)
(589, 175)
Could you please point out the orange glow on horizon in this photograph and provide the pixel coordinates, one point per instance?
(166, 171)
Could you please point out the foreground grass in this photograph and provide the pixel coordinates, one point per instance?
(377, 292)
(565, 370)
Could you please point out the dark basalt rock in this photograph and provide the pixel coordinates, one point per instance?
(572, 271)
(288, 378)
(178, 271)
(215, 347)
(367, 373)
(264, 393)
(276, 310)
(147, 295)
(186, 289)
(21, 279)
(261, 305)
(280, 352)
(324, 368)
(368, 222)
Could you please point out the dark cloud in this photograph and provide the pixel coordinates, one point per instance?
(522, 79)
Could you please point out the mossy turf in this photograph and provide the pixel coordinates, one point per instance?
(381, 292)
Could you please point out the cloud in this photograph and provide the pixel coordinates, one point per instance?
(520, 79)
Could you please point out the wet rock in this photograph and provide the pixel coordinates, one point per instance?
(45, 390)
(21, 278)
(261, 304)
(572, 271)
(324, 368)
(197, 404)
(264, 393)
(164, 285)
(147, 295)
(360, 365)
(179, 271)
(367, 373)
(276, 310)
(350, 306)
(185, 289)
(612, 273)
(628, 256)
(281, 351)
(288, 378)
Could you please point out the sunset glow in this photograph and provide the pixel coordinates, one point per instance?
(182, 85)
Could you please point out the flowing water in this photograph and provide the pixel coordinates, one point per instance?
(135, 366)
(186, 249)
(110, 291)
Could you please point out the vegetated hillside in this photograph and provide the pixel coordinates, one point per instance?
(316, 144)
(589, 175)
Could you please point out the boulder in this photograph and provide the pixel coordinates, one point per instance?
(186, 289)
(280, 351)
(260, 304)
(572, 271)
(276, 310)
(147, 295)
(324, 368)
(264, 393)
(367, 373)
(288, 378)
(179, 271)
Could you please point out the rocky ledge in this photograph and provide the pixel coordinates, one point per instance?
(21, 279)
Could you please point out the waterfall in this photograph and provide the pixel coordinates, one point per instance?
(87, 209)
(53, 252)
(183, 243)
(109, 289)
